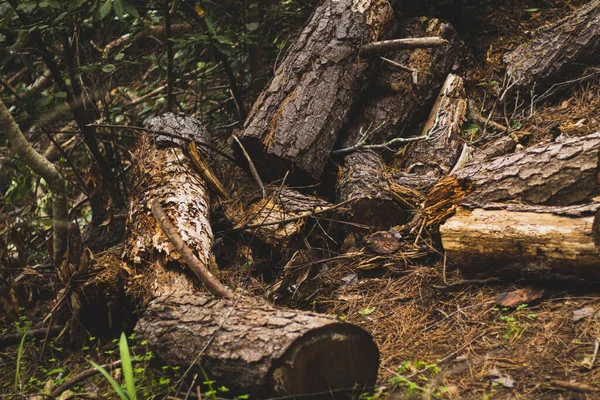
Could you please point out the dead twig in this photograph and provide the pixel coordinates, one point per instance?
(385, 46)
(252, 168)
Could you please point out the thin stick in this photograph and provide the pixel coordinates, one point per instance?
(212, 284)
(252, 168)
(401, 44)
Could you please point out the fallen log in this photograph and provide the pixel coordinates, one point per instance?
(362, 178)
(437, 153)
(560, 173)
(294, 123)
(242, 342)
(512, 241)
(404, 86)
(553, 50)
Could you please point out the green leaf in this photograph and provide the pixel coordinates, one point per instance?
(531, 10)
(119, 10)
(119, 56)
(108, 68)
(130, 9)
(127, 367)
(117, 388)
(105, 9)
(470, 128)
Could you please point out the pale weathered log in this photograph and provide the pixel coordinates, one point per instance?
(529, 241)
(553, 50)
(254, 348)
(282, 215)
(167, 175)
(560, 173)
(242, 342)
(438, 153)
(403, 88)
(361, 179)
(294, 124)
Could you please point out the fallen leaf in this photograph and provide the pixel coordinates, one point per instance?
(518, 297)
(582, 313)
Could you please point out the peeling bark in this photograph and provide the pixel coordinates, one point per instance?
(525, 241)
(398, 97)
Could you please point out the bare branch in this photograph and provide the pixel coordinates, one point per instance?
(385, 46)
(198, 267)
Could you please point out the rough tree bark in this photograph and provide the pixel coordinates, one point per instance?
(525, 241)
(400, 94)
(560, 173)
(553, 50)
(437, 154)
(362, 178)
(242, 342)
(295, 122)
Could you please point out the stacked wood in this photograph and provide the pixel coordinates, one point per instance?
(551, 230)
(242, 341)
(437, 153)
(403, 88)
(362, 180)
(555, 49)
(294, 123)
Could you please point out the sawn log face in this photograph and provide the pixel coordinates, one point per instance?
(295, 122)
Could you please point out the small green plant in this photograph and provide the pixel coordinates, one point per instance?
(18, 367)
(127, 368)
(412, 375)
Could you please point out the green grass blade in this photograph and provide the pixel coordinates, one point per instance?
(117, 388)
(127, 367)
(18, 369)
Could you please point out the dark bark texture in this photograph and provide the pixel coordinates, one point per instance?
(437, 154)
(555, 49)
(560, 173)
(398, 97)
(542, 242)
(167, 174)
(361, 178)
(254, 346)
(295, 122)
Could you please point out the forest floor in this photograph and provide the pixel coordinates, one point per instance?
(439, 335)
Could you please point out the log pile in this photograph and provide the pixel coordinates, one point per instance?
(404, 182)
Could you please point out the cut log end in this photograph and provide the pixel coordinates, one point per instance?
(335, 360)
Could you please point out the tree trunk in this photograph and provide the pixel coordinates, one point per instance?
(242, 342)
(400, 94)
(555, 49)
(361, 178)
(295, 122)
(437, 154)
(525, 241)
(560, 173)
